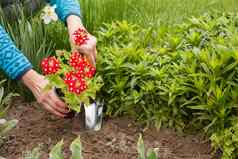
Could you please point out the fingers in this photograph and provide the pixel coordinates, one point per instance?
(53, 111)
(56, 103)
(94, 48)
(53, 104)
(91, 59)
(95, 55)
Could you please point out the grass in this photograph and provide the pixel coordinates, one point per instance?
(149, 12)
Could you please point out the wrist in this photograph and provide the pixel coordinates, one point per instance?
(74, 23)
(34, 81)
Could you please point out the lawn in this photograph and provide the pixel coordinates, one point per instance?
(152, 12)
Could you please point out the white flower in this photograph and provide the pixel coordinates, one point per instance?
(49, 14)
(2, 121)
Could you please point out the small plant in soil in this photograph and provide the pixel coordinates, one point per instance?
(143, 154)
(76, 149)
(57, 151)
(73, 76)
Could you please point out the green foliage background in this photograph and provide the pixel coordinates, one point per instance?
(183, 76)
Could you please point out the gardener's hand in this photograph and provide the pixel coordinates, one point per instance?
(48, 99)
(88, 49)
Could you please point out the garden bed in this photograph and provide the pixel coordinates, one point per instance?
(116, 140)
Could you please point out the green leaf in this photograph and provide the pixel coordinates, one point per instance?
(1, 94)
(200, 107)
(34, 154)
(151, 154)
(56, 152)
(76, 149)
(7, 99)
(141, 148)
(5, 128)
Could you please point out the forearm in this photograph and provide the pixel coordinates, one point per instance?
(12, 61)
(34, 81)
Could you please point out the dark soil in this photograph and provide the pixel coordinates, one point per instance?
(116, 140)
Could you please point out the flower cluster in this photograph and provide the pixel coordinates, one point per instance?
(81, 65)
(50, 65)
(82, 69)
(76, 77)
(80, 36)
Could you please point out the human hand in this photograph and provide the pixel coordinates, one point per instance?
(89, 48)
(48, 99)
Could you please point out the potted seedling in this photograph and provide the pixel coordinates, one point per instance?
(76, 81)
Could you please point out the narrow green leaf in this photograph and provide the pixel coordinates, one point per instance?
(200, 107)
(56, 152)
(5, 128)
(141, 148)
(34, 154)
(151, 154)
(76, 149)
(1, 95)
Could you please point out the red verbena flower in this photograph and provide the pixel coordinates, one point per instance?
(50, 65)
(76, 60)
(80, 36)
(81, 65)
(75, 83)
(89, 70)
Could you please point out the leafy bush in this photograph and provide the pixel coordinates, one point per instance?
(183, 76)
(227, 140)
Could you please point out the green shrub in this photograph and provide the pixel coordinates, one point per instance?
(183, 76)
(227, 140)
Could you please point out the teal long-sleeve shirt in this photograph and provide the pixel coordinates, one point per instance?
(12, 60)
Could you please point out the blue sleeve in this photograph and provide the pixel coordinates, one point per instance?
(64, 8)
(12, 61)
